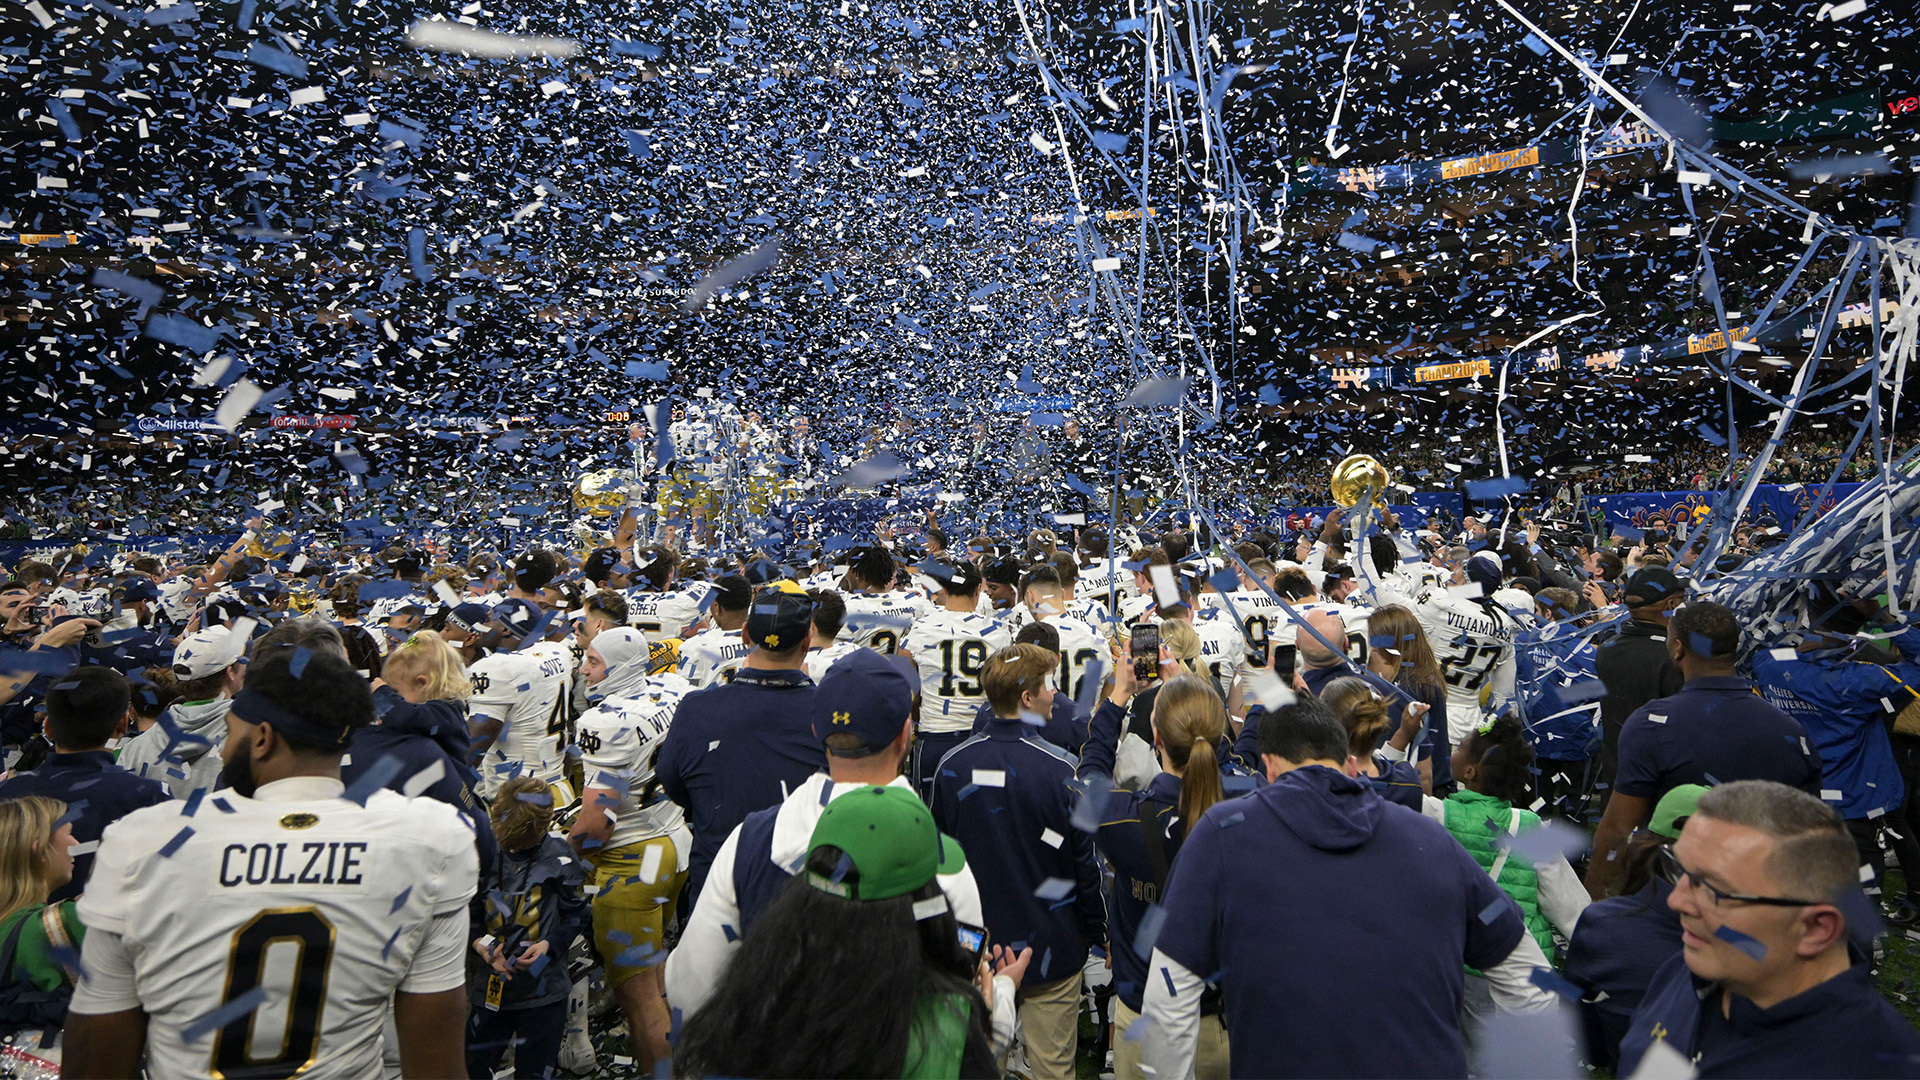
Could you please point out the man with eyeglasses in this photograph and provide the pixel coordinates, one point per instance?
(1765, 882)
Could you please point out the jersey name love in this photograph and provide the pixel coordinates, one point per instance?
(323, 862)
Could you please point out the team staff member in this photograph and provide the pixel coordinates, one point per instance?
(1007, 793)
(86, 708)
(745, 745)
(180, 917)
(1634, 664)
(1714, 730)
(1326, 909)
(862, 716)
(1766, 983)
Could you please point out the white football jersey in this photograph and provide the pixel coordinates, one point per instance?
(659, 615)
(618, 743)
(315, 906)
(819, 660)
(711, 655)
(1080, 646)
(1093, 582)
(1474, 644)
(529, 692)
(1223, 650)
(880, 621)
(951, 648)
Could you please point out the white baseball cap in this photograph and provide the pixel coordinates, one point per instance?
(208, 652)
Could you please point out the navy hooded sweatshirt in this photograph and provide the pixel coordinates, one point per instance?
(418, 737)
(1319, 908)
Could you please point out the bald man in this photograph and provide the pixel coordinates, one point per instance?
(1319, 664)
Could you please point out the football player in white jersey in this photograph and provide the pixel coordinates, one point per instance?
(877, 615)
(636, 839)
(521, 695)
(1101, 581)
(714, 654)
(273, 930)
(1472, 637)
(949, 647)
(829, 613)
(1046, 601)
(653, 606)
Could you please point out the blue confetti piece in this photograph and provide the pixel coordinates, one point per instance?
(1167, 974)
(225, 1014)
(1149, 931)
(184, 332)
(147, 292)
(1495, 910)
(374, 779)
(1550, 981)
(179, 839)
(279, 60)
(1054, 889)
(192, 805)
(391, 939)
(417, 254)
(728, 930)
(298, 663)
(401, 900)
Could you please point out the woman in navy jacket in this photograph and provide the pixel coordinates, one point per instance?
(1140, 833)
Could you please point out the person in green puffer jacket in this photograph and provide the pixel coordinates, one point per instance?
(1491, 766)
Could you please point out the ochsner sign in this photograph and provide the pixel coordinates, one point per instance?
(317, 421)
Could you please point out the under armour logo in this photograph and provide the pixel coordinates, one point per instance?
(842, 718)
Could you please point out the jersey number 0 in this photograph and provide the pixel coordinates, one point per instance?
(311, 935)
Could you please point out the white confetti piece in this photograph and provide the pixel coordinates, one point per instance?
(990, 778)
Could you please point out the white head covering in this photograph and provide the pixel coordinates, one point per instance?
(627, 657)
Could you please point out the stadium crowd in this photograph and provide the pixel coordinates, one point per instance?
(1252, 805)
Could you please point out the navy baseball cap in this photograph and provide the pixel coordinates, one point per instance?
(518, 616)
(866, 695)
(470, 616)
(780, 617)
(138, 589)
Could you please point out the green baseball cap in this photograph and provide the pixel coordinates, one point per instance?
(1674, 805)
(889, 837)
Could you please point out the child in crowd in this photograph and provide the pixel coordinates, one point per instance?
(529, 908)
(1492, 767)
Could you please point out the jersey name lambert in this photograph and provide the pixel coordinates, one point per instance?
(319, 862)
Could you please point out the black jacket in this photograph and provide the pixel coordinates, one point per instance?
(1635, 668)
(419, 736)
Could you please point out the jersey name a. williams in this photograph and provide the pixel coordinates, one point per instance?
(327, 862)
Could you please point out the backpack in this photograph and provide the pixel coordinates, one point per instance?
(24, 1006)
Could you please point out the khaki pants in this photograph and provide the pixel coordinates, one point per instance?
(1050, 1022)
(1209, 1053)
